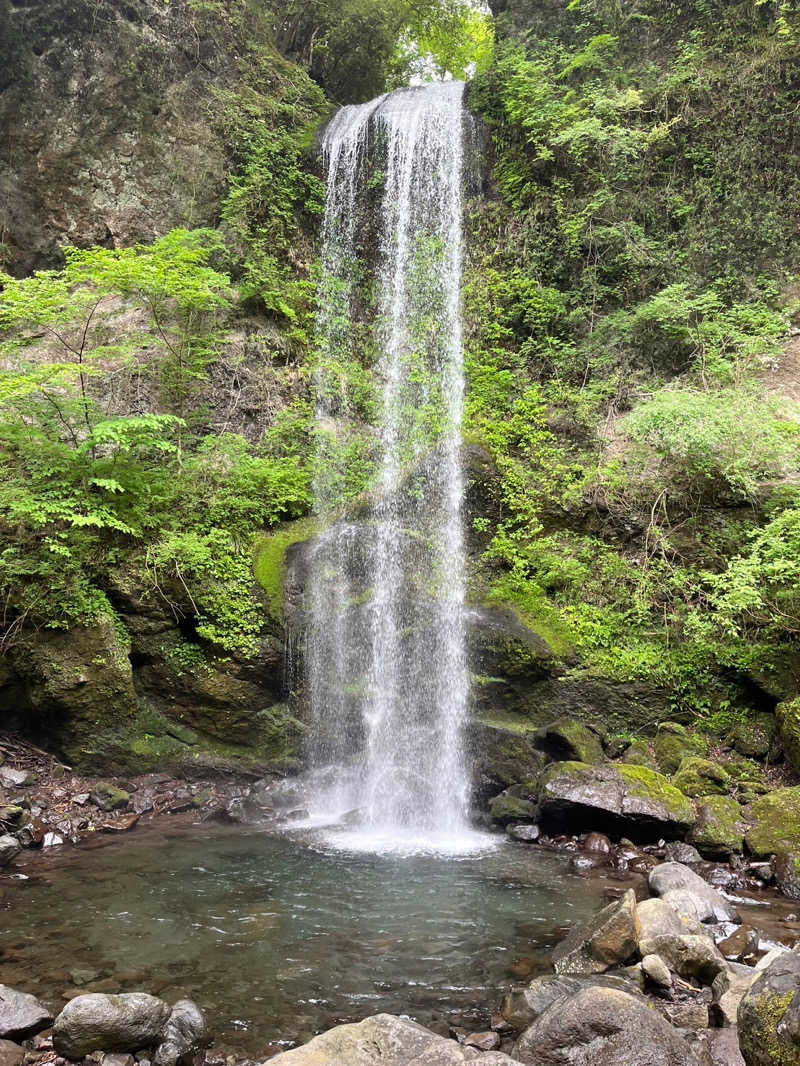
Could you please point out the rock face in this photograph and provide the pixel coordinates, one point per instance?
(609, 939)
(111, 120)
(627, 799)
(769, 1034)
(602, 1027)
(97, 1022)
(21, 1015)
(384, 1040)
(569, 740)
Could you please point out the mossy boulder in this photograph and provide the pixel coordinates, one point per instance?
(108, 797)
(507, 808)
(701, 777)
(504, 750)
(618, 798)
(569, 740)
(768, 1015)
(719, 829)
(788, 718)
(639, 753)
(776, 823)
(673, 743)
(754, 736)
(786, 867)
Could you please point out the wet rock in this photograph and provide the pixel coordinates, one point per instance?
(608, 939)
(678, 851)
(21, 1015)
(630, 797)
(83, 977)
(11, 1054)
(487, 1041)
(728, 989)
(776, 823)
(719, 829)
(11, 814)
(701, 777)
(108, 797)
(142, 801)
(687, 956)
(507, 808)
(768, 1014)
(690, 895)
(741, 943)
(385, 1040)
(602, 1027)
(656, 971)
(597, 842)
(9, 849)
(658, 918)
(201, 798)
(567, 739)
(96, 1021)
(524, 832)
(186, 1032)
(121, 824)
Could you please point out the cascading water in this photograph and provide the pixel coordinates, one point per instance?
(386, 659)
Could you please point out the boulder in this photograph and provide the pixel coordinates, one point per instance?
(673, 743)
(522, 1006)
(630, 800)
(11, 1054)
(9, 849)
(656, 971)
(658, 918)
(385, 1040)
(525, 832)
(722, 1047)
(186, 1032)
(679, 851)
(638, 753)
(21, 1015)
(689, 894)
(728, 989)
(608, 939)
(602, 1027)
(776, 823)
(567, 739)
(98, 1022)
(504, 747)
(701, 777)
(768, 1014)
(719, 829)
(787, 716)
(754, 736)
(506, 808)
(687, 956)
(108, 797)
(786, 867)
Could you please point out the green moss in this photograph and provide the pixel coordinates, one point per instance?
(776, 819)
(508, 722)
(533, 611)
(759, 1038)
(718, 830)
(642, 781)
(639, 753)
(701, 777)
(269, 562)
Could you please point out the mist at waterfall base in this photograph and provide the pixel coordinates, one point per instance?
(386, 666)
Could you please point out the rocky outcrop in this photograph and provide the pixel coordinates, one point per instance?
(628, 799)
(112, 119)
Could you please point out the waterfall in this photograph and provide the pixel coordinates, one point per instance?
(386, 659)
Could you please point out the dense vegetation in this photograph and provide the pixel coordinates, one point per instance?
(630, 298)
(631, 367)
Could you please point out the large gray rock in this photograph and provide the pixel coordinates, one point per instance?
(769, 1014)
(97, 1022)
(688, 956)
(631, 799)
(385, 1040)
(729, 988)
(186, 1031)
(21, 1015)
(608, 939)
(690, 895)
(602, 1027)
(657, 918)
